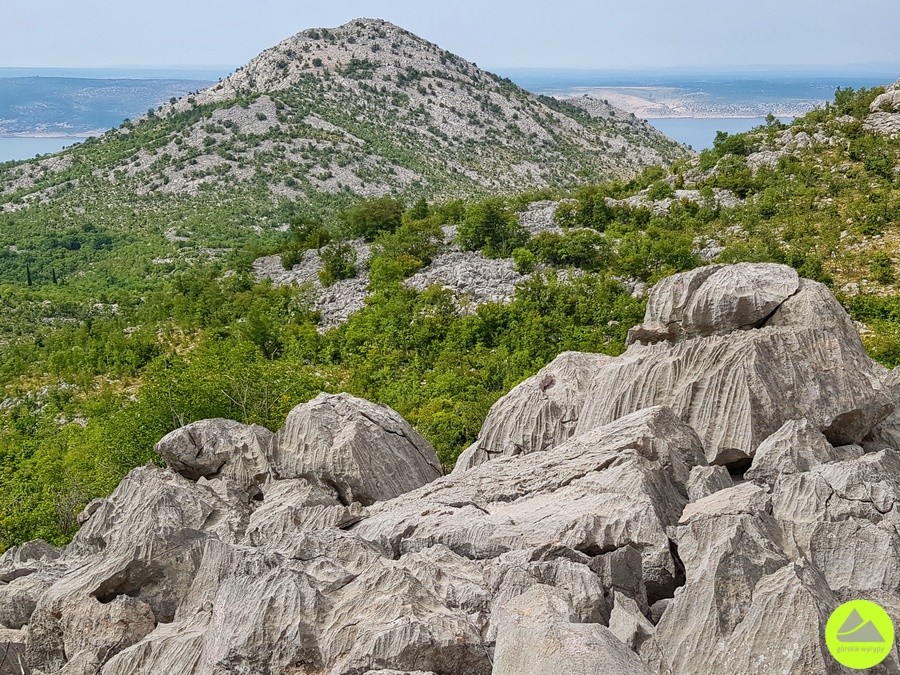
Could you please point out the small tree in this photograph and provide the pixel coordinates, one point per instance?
(338, 262)
(491, 227)
(373, 216)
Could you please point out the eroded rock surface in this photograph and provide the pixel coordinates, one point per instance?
(218, 449)
(363, 451)
(593, 528)
(550, 400)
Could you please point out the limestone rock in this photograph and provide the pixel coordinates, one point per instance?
(621, 572)
(747, 498)
(795, 447)
(267, 612)
(658, 608)
(296, 504)
(699, 354)
(20, 561)
(598, 508)
(715, 300)
(782, 627)
(218, 448)
(512, 574)
(621, 484)
(143, 545)
(537, 635)
(363, 451)
(828, 512)
(887, 433)
(724, 558)
(629, 624)
(736, 390)
(539, 413)
(705, 480)
(12, 653)
(473, 278)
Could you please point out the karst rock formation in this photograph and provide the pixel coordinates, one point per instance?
(698, 505)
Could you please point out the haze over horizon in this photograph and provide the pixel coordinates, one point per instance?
(697, 34)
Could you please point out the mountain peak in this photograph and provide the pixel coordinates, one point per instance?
(370, 108)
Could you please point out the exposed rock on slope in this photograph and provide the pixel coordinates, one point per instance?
(884, 113)
(219, 449)
(364, 452)
(567, 546)
(551, 400)
(368, 108)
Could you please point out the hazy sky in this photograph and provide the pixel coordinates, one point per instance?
(494, 33)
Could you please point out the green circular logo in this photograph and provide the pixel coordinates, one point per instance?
(859, 634)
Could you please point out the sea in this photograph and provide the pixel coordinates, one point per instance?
(16, 148)
(693, 106)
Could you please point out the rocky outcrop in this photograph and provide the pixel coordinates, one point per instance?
(473, 278)
(884, 113)
(795, 448)
(622, 484)
(362, 451)
(714, 300)
(737, 388)
(539, 635)
(551, 400)
(218, 449)
(589, 532)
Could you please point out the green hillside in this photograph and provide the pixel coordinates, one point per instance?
(106, 350)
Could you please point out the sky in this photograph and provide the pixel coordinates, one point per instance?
(497, 34)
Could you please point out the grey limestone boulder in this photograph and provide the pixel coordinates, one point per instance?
(796, 447)
(628, 623)
(736, 390)
(20, 561)
(715, 300)
(218, 448)
(537, 414)
(705, 480)
(538, 634)
(12, 653)
(622, 485)
(128, 567)
(362, 451)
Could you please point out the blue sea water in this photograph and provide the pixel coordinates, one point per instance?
(699, 133)
(715, 101)
(13, 148)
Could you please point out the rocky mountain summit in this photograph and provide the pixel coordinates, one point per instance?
(366, 108)
(699, 504)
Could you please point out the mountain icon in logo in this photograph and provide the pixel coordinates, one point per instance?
(857, 629)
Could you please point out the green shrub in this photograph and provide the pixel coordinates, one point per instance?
(371, 217)
(492, 227)
(525, 260)
(882, 268)
(338, 262)
(660, 190)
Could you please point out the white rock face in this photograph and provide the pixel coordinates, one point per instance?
(218, 448)
(589, 541)
(737, 388)
(794, 448)
(715, 300)
(364, 452)
(473, 278)
(552, 400)
(538, 635)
